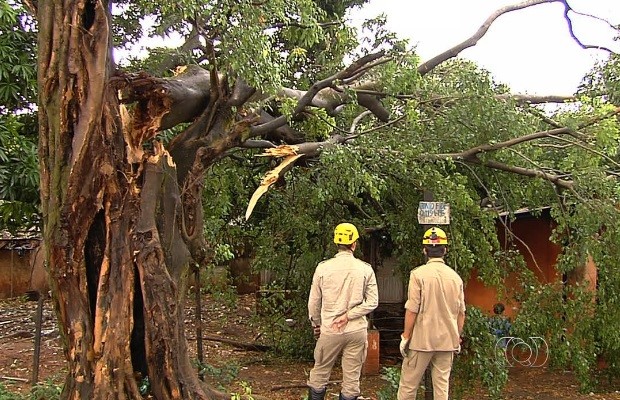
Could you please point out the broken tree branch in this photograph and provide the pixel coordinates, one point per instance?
(534, 99)
(471, 155)
(569, 22)
(13, 378)
(428, 66)
(306, 99)
(238, 344)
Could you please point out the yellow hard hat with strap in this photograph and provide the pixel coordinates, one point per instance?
(434, 236)
(345, 233)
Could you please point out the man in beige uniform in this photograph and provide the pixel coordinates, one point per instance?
(434, 318)
(343, 292)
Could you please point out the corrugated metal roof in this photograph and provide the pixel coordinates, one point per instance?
(21, 241)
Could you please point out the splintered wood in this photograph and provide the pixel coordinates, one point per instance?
(290, 155)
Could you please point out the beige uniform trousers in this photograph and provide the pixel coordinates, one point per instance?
(353, 347)
(413, 369)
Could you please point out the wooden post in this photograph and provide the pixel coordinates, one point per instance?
(199, 349)
(371, 364)
(38, 319)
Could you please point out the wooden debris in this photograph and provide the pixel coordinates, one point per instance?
(238, 344)
(269, 179)
(13, 378)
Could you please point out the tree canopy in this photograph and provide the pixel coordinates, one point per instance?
(19, 176)
(148, 166)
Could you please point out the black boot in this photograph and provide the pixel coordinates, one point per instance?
(341, 397)
(316, 395)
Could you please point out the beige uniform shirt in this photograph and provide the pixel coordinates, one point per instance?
(436, 295)
(340, 285)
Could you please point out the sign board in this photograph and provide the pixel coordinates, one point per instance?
(433, 213)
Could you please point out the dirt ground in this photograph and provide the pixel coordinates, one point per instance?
(266, 374)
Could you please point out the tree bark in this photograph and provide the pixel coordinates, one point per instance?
(111, 222)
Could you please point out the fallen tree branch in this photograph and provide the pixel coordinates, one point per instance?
(471, 156)
(535, 99)
(552, 133)
(308, 97)
(569, 22)
(237, 343)
(452, 52)
(13, 378)
(519, 98)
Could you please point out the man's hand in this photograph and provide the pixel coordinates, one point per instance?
(458, 351)
(404, 345)
(340, 323)
(316, 331)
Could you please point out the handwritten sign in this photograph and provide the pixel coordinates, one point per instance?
(433, 213)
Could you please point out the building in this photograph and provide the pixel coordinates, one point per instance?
(18, 275)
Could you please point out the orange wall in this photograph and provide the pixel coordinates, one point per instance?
(15, 270)
(16, 267)
(533, 242)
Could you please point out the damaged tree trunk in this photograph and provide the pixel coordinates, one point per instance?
(113, 220)
(122, 215)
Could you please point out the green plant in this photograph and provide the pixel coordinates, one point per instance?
(145, 386)
(285, 312)
(47, 390)
(481, 361)
(548, 310)
(6, 395)
(246, 392)
(224, 375)
(392, 376)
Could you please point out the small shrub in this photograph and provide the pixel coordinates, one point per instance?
(6, 395)
(481, 361)
(47, 390)
(223, 375)
(246, 392)
(392, 376)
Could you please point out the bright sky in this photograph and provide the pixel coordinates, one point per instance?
(530, 49)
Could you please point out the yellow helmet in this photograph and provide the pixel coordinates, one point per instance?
(345, 233)
(435, 236)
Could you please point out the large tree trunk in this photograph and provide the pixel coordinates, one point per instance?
(117, 259)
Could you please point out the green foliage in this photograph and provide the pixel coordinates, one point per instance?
(17, 57)
(19, 174)
(286, 314)
(47, 390)
(604, 81)
(224, 375)
(376, 36)
(480, 361)
(265, 44)
(246, 392)
(390, 390)
(565, 317)
(5, 394)
(145, 386)
(376, 180)
(216, 281)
